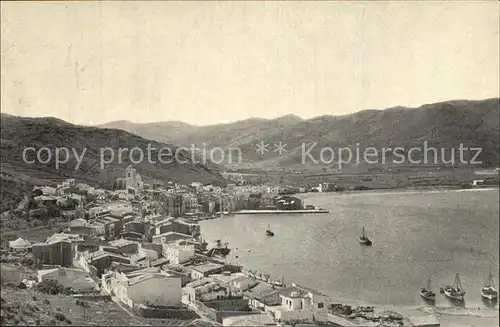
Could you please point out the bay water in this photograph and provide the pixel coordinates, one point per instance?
(416, 235)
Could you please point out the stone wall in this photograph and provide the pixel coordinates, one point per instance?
(228, 308)
(206, 311)
(164, 312)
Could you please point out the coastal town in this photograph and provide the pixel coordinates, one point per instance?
(141, 246)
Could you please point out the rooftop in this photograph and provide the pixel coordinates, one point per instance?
(310, 290)
(139, 278)
(166, 234)
(45, 198)
(63, 237)
(19, 244)
(161, 261)
(201, 282)
(259, 290)
(121, 243)
(80, 222)
(76, 278)
(206, 267)
(293, 292)
(102, 254)
(186, 222)
(160, 221)
(146, 277)
(107, 219)
(142, 271)
(271, 298)
(229, 278)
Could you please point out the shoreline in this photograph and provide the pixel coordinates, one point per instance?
(460, 312)
(405, 190)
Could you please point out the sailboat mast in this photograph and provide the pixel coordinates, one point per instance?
(459, 283)
(429, 284)
(490, 280)
(363, 232)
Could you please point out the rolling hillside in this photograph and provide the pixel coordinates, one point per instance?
(220, 135)
(443, 125)
(17, 133)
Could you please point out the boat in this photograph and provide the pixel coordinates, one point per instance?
(427, 293)
(455, 291)
(269, 232)
(220, 250)
(489, 291)
(363, 239)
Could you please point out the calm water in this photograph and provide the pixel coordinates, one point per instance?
(415, 235)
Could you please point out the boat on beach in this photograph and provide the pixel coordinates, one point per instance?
(455, 291)
(427, 293)
(268, 231)
(363, 239)
(489, 291)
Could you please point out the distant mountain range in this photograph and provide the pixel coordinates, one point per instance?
(220, 135)
(443, 125)
(17, 133)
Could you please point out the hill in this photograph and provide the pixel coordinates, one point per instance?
(443, 125)
(19, 133)
(168, 132)
(220, 135)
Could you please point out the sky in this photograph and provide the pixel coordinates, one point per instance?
(212, 62)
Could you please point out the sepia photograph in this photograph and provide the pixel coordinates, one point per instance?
(250, 163)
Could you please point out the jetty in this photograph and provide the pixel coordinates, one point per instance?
(267, 212)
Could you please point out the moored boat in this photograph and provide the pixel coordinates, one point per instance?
(427, 293)
(455, 291)
(363, 239)
(269, 232)
(220, 250)
(489, 291)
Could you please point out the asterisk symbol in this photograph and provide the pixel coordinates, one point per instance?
(280, 148)
(262, 147)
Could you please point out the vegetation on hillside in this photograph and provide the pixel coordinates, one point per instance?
(442, 125)
(12, 192)
(18, 133)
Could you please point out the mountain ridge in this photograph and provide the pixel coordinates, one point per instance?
(474, 122)
(18, 133)
(455, 101)
(178, 122)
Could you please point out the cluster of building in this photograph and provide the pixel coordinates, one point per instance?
(154, 277)
(174, 200)
(140, 246)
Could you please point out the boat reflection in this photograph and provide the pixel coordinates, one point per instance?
(491, 304)
(456, 303)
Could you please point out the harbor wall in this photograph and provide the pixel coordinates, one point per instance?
(256, 212)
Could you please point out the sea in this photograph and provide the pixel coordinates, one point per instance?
(416, 235)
